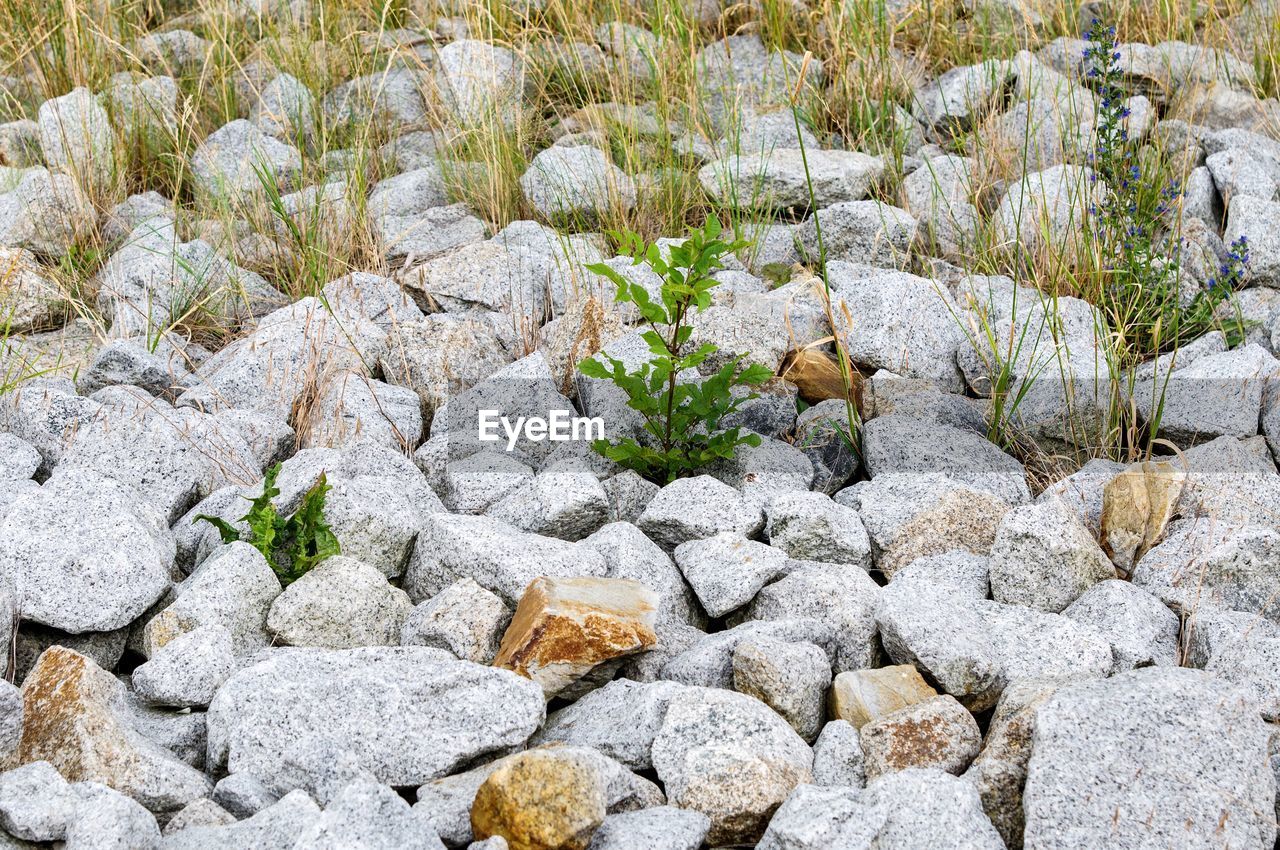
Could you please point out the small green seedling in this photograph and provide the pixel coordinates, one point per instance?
(681, 418)
(292, 545)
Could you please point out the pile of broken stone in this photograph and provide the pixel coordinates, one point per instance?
(801, 648)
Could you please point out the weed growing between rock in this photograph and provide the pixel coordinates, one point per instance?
(682, 414)
(292, 545)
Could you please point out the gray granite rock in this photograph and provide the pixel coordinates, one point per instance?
(1082, 491)
(84, 553)
(385, 705)
(659, 828)
(275, 826)
(731, 758)
(790, 678)
(1207, 562)
(106, 819)
(620, 720)
(822, 434)
(697, 508)
(19, 460)
(860, 232)
(899, 322)
(36, 803)
(707, 659)
(1141, 630)
(837, 756)
(565, 501)
(499, 557)
(811, 527)
(233, 589)
(841, 598)
(187, 670)
(226, 164)
(727, 570)
(576, 182)
(1240, 648)
(341, 603)
(973, 647)
(75, 135)
(478, 79)
(899, 811)
(464, 619)
(1131, 738)
(45, 213)
(243, 795)
(369, 815)
(198, 813)
(781, 178)
(1043, 557)
(900, 444)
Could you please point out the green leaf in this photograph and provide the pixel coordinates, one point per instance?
(230, 534)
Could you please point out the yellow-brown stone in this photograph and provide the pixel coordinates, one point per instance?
(540, 800)
(73, 717)
(861, 696)
(1136, 508)
(563, 627)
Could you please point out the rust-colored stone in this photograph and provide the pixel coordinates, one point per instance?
(565, 626)
(936, 733)
(74, 718)
(540, 800)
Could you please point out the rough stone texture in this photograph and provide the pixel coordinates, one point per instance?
(75, 135)
(1043, 557)
(106, 818)
(1207, 562)
(224, 163)
(368, 814)
(897, 321)
(475, 78)
(811, 527)
(727, 570)
(696, 508)
(1000, 770)
(565, 501)
(29, 300)
(187, 670)
(341, 603)
(84, 553)
(910, 516)
(233, 589)
(906, 810)
(76, 719)
(837, 756)
(562, 628)
(275, 826)
(10, 719)
(540, 800)
(731, 758)
(860, 232)
(45, 213)
(861, 696)
(384, 705)
(897, 444)
(776, 179)
(973, 647)
(36, 803)
(620, 720)
(1136, 508)
(790, 678)
(1141, 630)
(498, 556)
(1240, 648)
(464, 618)
(843, 599)
(659, 828)
(936, 732)
(1154, 736)
(564, 182)
(197, 813)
